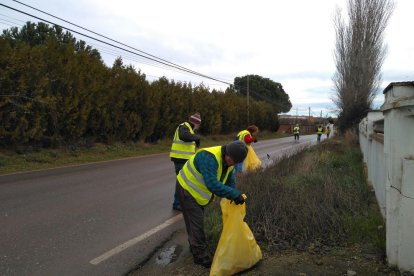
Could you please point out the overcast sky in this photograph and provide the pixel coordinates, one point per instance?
(290, 42)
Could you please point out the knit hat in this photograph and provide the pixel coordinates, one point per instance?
(195, 119)
(237, 150)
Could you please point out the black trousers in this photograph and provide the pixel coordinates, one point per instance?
(177, 166)
(194, 222)
(319, 137)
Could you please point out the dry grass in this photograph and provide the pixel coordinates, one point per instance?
(351, 136)
(316, 197)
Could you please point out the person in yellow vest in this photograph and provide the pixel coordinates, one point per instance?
(184, 145)
(296, 132)
(209, 172)
(248, 136)
(319, 132)
(327, 131)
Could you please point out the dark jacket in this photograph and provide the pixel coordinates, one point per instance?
(185, 135)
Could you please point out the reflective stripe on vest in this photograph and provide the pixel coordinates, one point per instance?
(242, 134)
(192, 180)
(181, 149)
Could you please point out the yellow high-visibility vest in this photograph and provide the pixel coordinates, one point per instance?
(242, 134)
(319, 130)
(181, 149)
(296, 130)
(192, 180)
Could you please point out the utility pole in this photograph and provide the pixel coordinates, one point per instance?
(248, 108)
(309, 112)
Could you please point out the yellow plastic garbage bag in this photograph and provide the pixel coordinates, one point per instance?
(252, 161)
(237, 249)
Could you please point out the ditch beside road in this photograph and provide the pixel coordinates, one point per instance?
(174, 258)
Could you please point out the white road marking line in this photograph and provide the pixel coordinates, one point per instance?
(135, 240)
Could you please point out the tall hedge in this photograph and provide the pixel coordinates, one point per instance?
(55, 90)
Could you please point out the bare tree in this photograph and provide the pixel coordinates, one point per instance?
(359, 54)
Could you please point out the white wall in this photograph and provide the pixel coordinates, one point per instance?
(391, 169)
(372, 147)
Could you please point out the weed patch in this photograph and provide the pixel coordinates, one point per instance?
(317, 197)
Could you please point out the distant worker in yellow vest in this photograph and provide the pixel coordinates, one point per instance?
(327, 131)
(319, 132)
(248, 136)
(209, 172)
(296, 132)
(184, 145)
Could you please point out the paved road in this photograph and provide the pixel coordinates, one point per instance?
(96, 219)
(271, 150)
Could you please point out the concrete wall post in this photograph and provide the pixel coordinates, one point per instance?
(398, 110)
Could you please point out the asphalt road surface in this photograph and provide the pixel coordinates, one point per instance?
(96, 219)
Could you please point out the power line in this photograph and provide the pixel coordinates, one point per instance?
(163, 63)
(103, 49)
(114, 52)
(6, 22)
(12, 18)
(110, 51)
(152, 57)
(184, 68)
(99, 40)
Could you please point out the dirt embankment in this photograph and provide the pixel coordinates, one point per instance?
(174, 258)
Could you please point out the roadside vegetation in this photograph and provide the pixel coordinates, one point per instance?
(34, 158)
(56, 90)
(316, 201)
